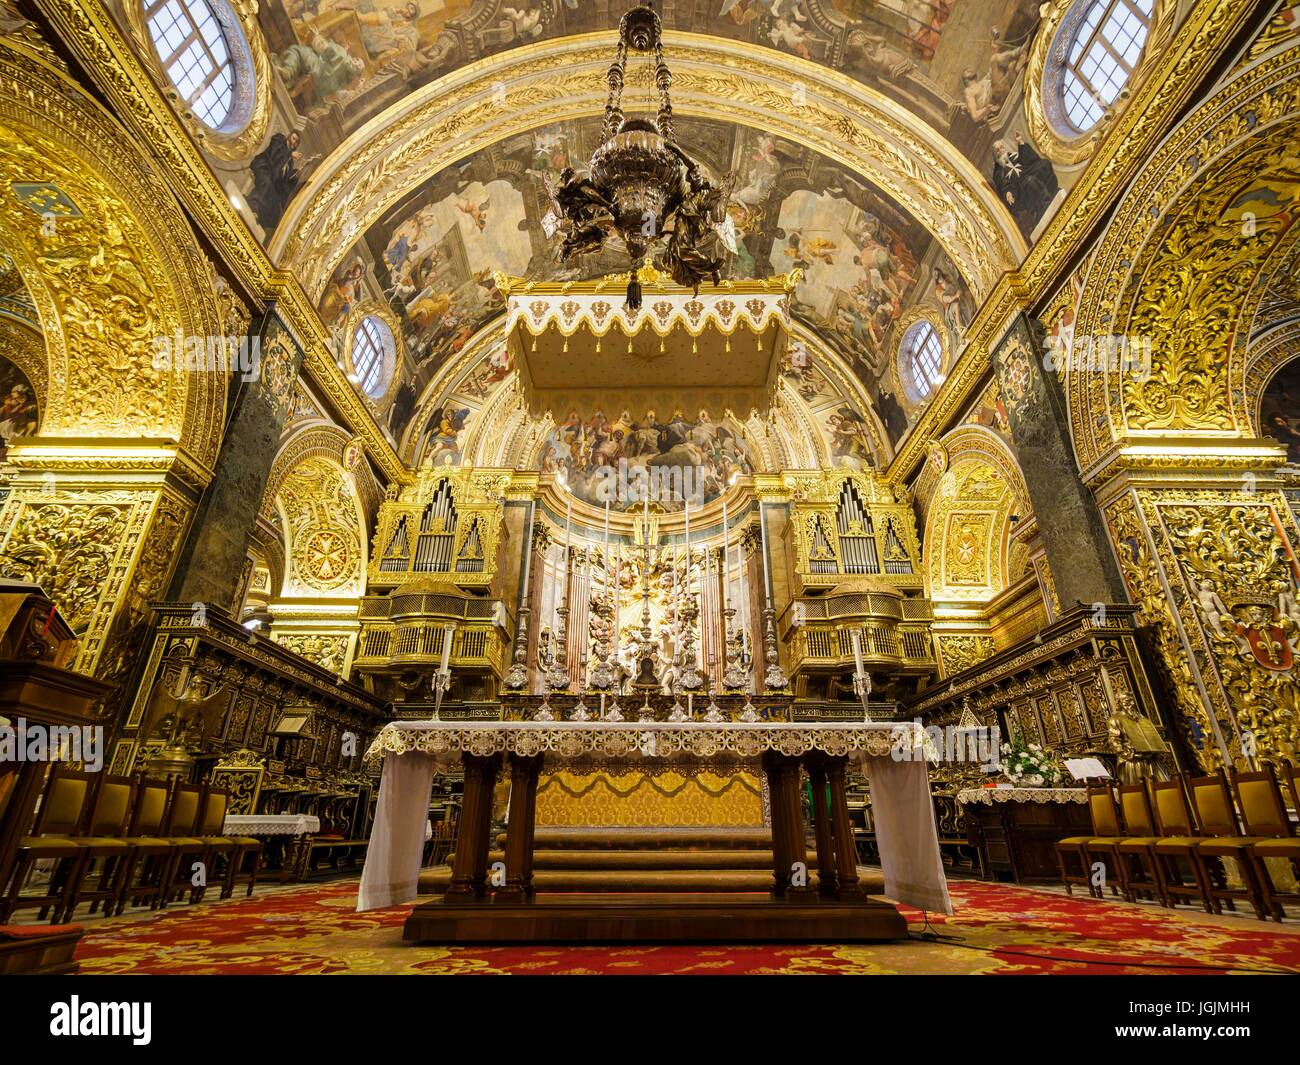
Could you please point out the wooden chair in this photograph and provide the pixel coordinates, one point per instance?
(1105, 829)
(1176, 847)
(1218, 817)
(149, 852)
(182, 828)
(1142, 835)
(63, 809)
(1269, 829)
(216, 801)
(104, 841)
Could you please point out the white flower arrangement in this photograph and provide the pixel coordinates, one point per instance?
(1028, 766)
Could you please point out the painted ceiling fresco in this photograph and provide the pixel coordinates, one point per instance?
(866, 262)
(957, 66)
(588, 453)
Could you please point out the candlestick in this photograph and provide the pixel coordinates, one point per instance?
(517, 675)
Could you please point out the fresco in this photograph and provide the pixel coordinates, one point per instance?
(958, 67)
(1279, 410)
(866, 262)
(18, 410)
(989, 412)
(599, 453)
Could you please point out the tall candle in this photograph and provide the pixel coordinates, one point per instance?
(767, 577)
(744, 591)
(857, 651)
(726, 554)
(568, 543)
(528, 553)
(677, 624)
(447, 633)
(617, 564)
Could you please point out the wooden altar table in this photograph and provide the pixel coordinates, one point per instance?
(1016, 829)
(501, 905)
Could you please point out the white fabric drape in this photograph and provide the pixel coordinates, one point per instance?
(906, 833)
(392, 870)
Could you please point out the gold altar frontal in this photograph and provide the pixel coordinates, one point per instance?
(674, 798)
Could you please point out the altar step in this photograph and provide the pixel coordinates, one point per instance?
(661, 860)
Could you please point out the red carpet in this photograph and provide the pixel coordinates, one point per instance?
(1000, 929)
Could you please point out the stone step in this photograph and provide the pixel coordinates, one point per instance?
(437, 880)
(758, 837)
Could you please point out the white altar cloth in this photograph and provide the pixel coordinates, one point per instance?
(271, 824)
(890, 755)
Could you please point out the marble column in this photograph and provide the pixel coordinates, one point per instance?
(210, 563)
(1074, 535)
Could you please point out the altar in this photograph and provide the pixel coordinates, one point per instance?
(500, 904)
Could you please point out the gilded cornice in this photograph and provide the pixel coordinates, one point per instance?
(127, 463)
(1181, 68)
(552, 81)
(99, 46)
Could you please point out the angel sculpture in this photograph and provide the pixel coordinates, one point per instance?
(694, 228)
(583, 214)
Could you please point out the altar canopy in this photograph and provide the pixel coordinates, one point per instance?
(891, 756)
(580, 350)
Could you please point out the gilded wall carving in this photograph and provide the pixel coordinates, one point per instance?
(95, 551)
(1184, 250)
(323, 529)
(962, 651)
(110, 264)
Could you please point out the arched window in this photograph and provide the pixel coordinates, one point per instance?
(204, 53)
(922, 357)
(1101, 57)
(372, 356)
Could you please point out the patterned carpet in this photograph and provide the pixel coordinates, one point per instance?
(999, 929)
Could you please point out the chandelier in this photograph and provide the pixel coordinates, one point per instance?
(641, 188)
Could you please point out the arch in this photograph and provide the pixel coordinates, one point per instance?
(965, 547)
(966, 513)
(318, 440)
(112, 268)
(1208, 218)
(464, 112)
(837, 427)
(325, 530)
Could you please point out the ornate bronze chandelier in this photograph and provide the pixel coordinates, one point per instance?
(640, 187)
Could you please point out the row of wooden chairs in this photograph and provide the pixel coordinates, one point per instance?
(113, 839)
(1167, 839)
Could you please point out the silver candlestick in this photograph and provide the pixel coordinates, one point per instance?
(774, 679)
(441, 685)
(862, 688)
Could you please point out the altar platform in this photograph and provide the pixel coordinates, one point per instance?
(805, 901)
